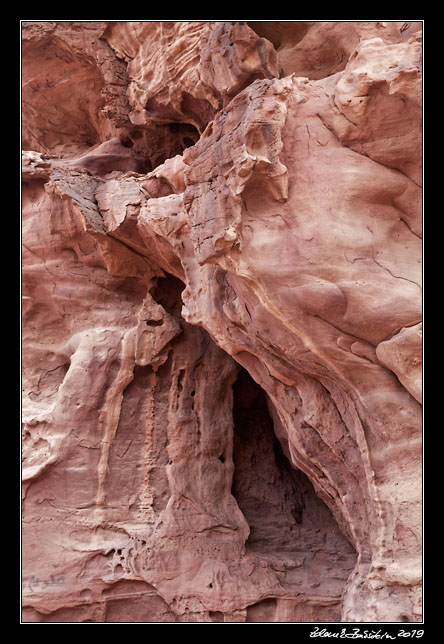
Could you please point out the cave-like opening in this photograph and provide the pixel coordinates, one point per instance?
(267, 489)
(167, 292)
(285, 515)
(156, 142)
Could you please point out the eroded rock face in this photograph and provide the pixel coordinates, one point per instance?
(222, 322)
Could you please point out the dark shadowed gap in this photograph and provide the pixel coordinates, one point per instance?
(267, 488)
(278, 500)
(154, 143)
(167, 292)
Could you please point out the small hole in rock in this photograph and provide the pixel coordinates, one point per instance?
(154, 322)
(167, 292)
(222, 458)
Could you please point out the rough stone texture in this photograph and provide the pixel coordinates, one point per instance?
(221, 322)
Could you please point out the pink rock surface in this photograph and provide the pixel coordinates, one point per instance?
(222, 322)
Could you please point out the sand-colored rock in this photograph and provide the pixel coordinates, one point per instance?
(222, 322)
(185, 71)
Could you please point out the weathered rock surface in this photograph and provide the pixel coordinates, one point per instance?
(222, 322)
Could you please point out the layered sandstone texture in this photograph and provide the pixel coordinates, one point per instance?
(221, 322)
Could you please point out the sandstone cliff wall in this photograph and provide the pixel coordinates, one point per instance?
(221, 337)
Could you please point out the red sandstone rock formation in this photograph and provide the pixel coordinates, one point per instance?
(221, 322)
